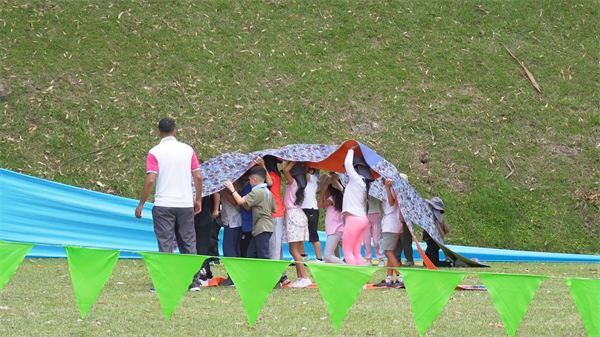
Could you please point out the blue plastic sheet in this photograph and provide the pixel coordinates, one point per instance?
(47, 213)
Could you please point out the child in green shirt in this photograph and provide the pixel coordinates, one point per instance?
(262, 203)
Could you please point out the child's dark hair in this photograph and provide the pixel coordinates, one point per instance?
(338, 197)
(368, 183)
(299, 196)
(258, 171)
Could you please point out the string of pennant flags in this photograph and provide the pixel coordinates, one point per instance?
(339, 285)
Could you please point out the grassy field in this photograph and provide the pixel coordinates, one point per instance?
(427, 84)
(39, 301)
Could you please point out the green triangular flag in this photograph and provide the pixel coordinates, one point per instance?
(11, 256)
(172, 275)
(586, 293)
(511, 295)
(90, 269)
(254, 279)
(339, 286)
(429, 291)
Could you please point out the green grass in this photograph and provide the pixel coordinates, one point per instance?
(39, 301)
(452, 108)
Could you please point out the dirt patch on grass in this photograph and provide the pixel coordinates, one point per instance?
(464, 94)
(585, 198)
(564, 150)
(421, 162)
(4, 90)
(360, 118)
(367, 127)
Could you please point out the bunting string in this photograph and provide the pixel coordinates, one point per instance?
(339, 285)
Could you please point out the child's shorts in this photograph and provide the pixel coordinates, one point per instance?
(390, 240)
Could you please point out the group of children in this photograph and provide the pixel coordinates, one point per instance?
(257, 221)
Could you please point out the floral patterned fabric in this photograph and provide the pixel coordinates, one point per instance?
(231, 166)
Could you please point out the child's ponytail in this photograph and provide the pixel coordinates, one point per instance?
(338, 198)
(299, 196)
(368, 184)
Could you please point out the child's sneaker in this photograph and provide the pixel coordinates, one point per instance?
(368, 263)
(304, 283)
(195, 286)
(381, 263)
(285, 280)
(396, 285)
(400, 279)
(385, 283)
(295, 283)
(204, 281)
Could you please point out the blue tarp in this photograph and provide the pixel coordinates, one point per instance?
(47, 213)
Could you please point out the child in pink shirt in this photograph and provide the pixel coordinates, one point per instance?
(331, 199)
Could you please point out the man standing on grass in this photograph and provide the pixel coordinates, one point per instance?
(171, 164)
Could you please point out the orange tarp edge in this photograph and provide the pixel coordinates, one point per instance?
(335, 161)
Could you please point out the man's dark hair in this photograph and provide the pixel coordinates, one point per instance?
(166, 126)
(258, 171)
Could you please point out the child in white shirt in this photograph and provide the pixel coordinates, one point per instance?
(390, 227)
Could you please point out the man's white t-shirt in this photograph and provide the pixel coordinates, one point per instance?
(173, 162)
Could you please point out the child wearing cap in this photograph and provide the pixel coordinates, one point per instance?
(331, 199)
(433, 250)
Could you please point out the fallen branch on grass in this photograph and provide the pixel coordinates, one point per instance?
(529, 75)
(512, 169)
(81, 155)
(178, 83)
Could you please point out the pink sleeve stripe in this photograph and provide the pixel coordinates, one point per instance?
(195, 162)
(151, 164)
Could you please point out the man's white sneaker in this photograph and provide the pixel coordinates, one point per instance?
(368, 263)
(317, 261)
(381, 263)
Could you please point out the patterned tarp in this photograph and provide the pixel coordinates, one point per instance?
(231, 166)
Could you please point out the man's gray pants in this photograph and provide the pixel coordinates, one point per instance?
(178, 221)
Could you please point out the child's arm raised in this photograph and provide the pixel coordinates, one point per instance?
(268, 179)
(352, 174)
(323, 201)
(390, 195)
(216, 204)
(286, 172)
(238, 198)
(229, 196)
